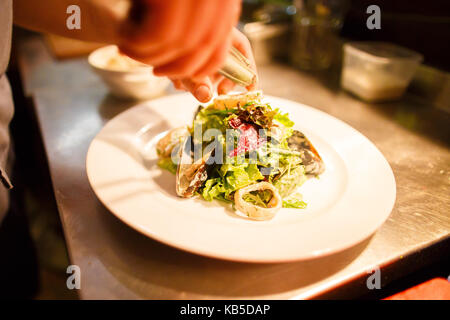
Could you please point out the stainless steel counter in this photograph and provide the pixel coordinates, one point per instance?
(117, 262)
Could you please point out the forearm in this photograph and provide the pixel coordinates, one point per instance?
(100, 19)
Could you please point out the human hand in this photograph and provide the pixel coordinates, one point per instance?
(203, 88)
(185, 40)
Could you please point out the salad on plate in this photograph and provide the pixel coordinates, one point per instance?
(241, 150)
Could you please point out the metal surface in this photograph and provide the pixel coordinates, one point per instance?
(237, 68)
(72, 105)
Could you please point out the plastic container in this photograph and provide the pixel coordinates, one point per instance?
(125, 77)
(378, 71)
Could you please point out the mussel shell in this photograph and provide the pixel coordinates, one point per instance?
(310, 157)
(167, 143)
(191, 174)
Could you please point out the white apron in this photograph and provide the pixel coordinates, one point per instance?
(6, 103)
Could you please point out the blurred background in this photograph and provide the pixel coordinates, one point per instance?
(305, 35)
(423, 27)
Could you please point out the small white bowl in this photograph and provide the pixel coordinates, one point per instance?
(126, 78)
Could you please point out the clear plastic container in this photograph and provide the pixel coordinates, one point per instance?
(378, 71)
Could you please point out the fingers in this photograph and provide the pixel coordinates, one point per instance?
(210, 54)
(241, 42)
(188, 66)
(178, 84)
(216, 78)
(217, 53)
(182, 67)
(215, 61)
(196, 87)
(181, 37)
(202, 90)
(225, 86)
(186, 40)
(195, 27)
(153, 23)
(165, 30)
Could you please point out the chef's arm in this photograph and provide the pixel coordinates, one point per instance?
(100, 19)
(185, 40)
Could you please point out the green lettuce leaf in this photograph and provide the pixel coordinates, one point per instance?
(237, 179)
(294, 203)
(283, 119)
(290, 180)
(229, 178)
(253, 172)
(259, 198)
(212, 189)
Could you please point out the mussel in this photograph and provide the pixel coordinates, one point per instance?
(167, 143)
(310, 157)
(191, 172)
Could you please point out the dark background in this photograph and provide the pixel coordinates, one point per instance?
(423, 26)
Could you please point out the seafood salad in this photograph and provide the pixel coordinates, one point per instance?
(241, 150)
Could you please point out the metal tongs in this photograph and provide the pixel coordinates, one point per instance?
(237, 68)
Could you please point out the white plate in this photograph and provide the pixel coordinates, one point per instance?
(352, 198)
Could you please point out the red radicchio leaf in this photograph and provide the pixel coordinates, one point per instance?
(235, 122)
(249, 139)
